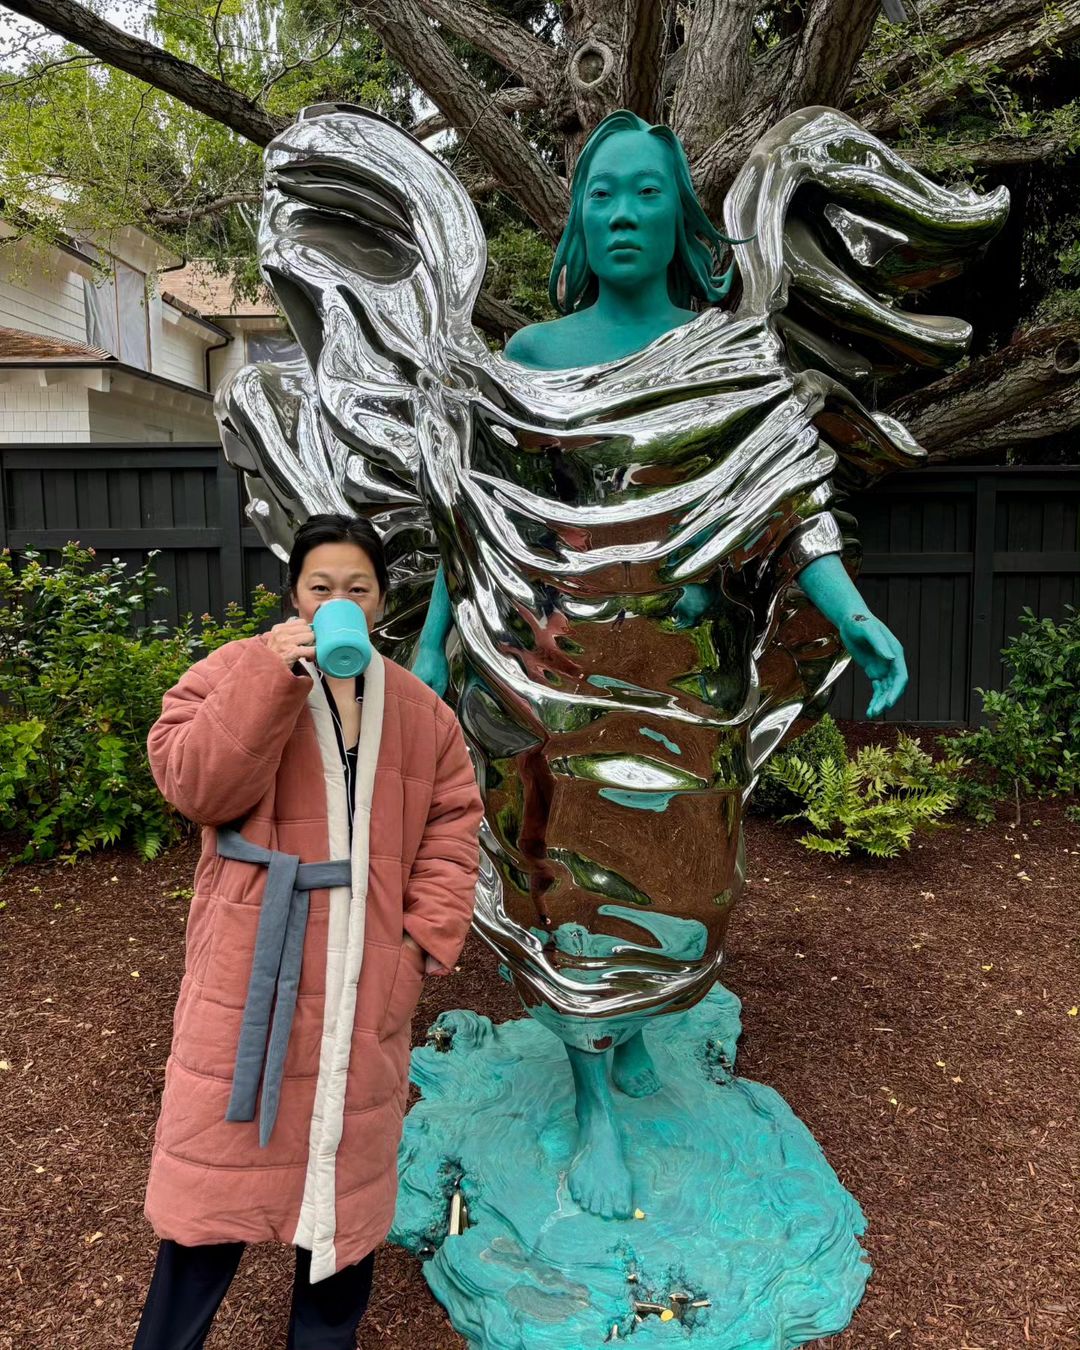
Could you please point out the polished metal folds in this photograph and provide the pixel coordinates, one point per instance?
(620, 540)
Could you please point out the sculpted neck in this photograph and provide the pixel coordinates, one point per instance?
(644, 307)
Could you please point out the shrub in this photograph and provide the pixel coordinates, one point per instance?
(1031, 744)
(80, 686)
(874, 803)
(823, 740)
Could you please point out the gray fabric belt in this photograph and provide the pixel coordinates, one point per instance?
(275, 969)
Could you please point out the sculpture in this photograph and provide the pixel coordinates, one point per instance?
(638, 555)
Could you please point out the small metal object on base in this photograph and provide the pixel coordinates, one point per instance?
(459, 1215)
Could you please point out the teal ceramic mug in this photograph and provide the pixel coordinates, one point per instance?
(342, 644)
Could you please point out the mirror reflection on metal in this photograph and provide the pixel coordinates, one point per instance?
(633, 563)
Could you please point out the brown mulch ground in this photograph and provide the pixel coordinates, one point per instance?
(915, 1014)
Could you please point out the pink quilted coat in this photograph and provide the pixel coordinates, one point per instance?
(240, 735)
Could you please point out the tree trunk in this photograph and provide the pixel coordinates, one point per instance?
(1027, 391)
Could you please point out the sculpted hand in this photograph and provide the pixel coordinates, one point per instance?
(431, 666)
(879, 655)
(292, 640)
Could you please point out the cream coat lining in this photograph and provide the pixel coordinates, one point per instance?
(317, 1224)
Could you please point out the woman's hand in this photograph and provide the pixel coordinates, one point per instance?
(432, 667)
(431, 966)
(879, 655)
(292, 640)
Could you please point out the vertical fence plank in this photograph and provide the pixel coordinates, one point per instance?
(3, 501)
(232, 553)
(984, 662)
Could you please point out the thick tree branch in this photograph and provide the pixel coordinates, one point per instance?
(152, 64)
(1027, 391)
(507, 101)
(715, 69)
(516, 49)
(181, 216)
(409, 37)
(833, 37)
(944, 26)
(616, 61)
(999, 49)
(997, 153)
(496, 318)
(814, 66)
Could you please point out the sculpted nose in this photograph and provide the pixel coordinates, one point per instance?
(624, 213)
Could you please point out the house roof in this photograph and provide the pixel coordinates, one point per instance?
(17, 345)
(212, 294)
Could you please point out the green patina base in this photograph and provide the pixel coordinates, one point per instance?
(741, 1209)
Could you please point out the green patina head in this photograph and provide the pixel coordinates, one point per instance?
(634, 174)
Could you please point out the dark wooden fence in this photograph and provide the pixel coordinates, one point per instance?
(950, 558)
(951, 555)
(125, 500)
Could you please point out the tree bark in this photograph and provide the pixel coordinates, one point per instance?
(180, 216)
(495, 318)
(814, 66)
(715, 71)
(999, 153)
(408, 36)
(616, 61)
(154, 65)
(998, 49)
(508, 101)
(517, 50)
(1027, 391)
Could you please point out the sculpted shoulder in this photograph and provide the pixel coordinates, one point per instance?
(546, 346)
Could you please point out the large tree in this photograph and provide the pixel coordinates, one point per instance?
(982, 88)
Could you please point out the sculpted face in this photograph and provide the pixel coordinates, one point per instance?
(631, 205)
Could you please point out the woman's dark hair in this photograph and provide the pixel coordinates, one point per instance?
(338, 528)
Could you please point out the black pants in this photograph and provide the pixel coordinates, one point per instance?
(190, 1282)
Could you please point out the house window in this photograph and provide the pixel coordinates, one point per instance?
(117, 316)
(272, 347)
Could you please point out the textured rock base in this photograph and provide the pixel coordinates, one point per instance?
(742, 1212)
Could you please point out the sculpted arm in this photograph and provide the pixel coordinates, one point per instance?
(872, 646)
(430, 664)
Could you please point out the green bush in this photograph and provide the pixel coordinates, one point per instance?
(80, 687)
(874, 803)
(823, 740)
(1031, 743)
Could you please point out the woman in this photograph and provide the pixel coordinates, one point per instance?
(371, 780)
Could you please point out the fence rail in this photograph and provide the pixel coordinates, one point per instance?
(951, 555)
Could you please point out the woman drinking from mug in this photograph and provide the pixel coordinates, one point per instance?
(339, 857)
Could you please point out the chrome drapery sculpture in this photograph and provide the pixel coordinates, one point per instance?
(620, 540)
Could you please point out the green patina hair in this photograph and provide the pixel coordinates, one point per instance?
(695, 271)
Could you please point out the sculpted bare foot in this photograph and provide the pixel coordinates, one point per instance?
(632, 1069)
(598, 1177)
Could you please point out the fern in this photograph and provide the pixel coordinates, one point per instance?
(874, 804)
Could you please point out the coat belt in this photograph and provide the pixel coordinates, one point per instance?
(279, 951)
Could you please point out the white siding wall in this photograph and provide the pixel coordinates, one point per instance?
(120, 418)
(32, 414)
(41, 294)
(176, 352)
(229, 359)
